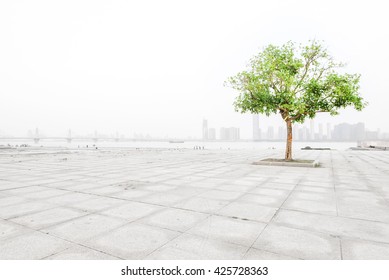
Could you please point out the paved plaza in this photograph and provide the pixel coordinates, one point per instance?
(192, 204)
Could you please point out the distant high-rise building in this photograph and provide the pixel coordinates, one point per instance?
(305, 134)
(371, 135)
(229, 133)
(349, 132)
(359, 131)
(211, 134)
(205, 130)
(320, 131)
(281, 133)
(270, 133)
(311, 130)
(329, 136)
(256, 130)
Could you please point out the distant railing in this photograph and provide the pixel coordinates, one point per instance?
(377, 144)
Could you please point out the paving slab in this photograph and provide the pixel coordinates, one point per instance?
(364, 250)
(265, 200)
(10, 229)
(132, 241)
(80, 253)
(337, 226)
(248, 211)
(221, 195)
(203, 205)
(255, 254)
(131, 211)
(48, 217)
(85, 227)
(322, 203)
(174, 219)
(299, 243)
(7, 200)
(23, 208)
(99, 203)
(191, 247)
(231, 230)
(34, 245)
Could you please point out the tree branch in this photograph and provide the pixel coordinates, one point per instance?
(308, 62)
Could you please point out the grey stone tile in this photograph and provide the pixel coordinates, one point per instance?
(204, 205)
(131, 211)
(228, 229)
(25, 190)
(314, 189)
(44, 194)
(48, 217)
(132, 194)
(84, 228)
(11, 200)
(31, 246)
(284, 185)
(364, 208)
(232, 187)
(322, 183)
(70, 198)
(78, 186)
(221, 195)
(7, 185)
(312, 202)
(265, 200)
(132, 241)
(174, 219)
(255, 254)
(186, 191)
(249, 211)
(172, 253)
(162, 199)
(107, 190)
(80, 253)
(193, 247)
(20, 209)
(10, 229)
(364, 250)
(338, 226)
(98, 204)
(159, 187)
(270, 192)
(298, 243)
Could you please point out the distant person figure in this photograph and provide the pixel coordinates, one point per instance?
(87, 146)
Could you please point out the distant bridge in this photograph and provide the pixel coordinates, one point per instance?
(94, 139)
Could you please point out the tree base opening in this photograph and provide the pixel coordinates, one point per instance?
(285, 162)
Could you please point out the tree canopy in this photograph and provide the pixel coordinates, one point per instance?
(295, 81)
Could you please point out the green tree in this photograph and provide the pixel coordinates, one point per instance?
(296, 82)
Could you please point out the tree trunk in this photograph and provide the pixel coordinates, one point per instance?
(288, 152)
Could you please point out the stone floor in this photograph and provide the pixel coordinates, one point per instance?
(190, 204)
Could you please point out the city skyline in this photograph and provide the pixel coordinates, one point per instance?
(301, 132)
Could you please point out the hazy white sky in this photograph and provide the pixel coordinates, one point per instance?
(158, 67)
